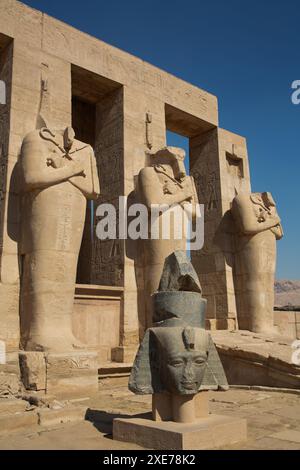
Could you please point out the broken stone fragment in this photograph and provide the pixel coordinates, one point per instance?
(9, 385)
(179, 295)
(33, 370)
(179, 274)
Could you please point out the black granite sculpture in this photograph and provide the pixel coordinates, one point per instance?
(177, 355)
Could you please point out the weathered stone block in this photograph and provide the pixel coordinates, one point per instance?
(72, 374)
(14, 422)
(9, 384)
(64, 364)
(69, 387)
(12, 405)
(69, 414)
(33, 370)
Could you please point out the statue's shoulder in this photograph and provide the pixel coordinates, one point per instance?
(242, 205)
(32, 136)
(147, 172)
(242, 199)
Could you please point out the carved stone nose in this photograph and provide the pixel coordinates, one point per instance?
(188, 372)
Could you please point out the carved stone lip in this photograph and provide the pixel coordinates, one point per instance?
(189, 385)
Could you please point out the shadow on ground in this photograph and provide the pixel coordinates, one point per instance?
(103, 421)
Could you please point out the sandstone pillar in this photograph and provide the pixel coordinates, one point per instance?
(136, 137)
(219, 165)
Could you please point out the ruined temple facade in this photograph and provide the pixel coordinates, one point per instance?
(121, 106)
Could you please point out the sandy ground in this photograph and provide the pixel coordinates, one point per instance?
(273, 421)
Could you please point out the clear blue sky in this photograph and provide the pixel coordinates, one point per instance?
(246, 53)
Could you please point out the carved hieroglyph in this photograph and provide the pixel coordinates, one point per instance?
(164, 181)
(258, 228)
(59, 174)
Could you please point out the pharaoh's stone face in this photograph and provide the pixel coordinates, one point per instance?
(184, 371)
(183, 359)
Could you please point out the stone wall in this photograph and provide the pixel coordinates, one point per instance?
(48, 62)
(9, 289)
(96, 318)
(288, 323)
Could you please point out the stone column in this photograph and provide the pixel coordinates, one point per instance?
(235, 178)
(219, 165)
(139, 134)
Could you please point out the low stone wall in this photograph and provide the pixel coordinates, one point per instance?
(288, 323)
(256, 359)
(96, 318)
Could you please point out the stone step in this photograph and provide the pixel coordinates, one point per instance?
(12, 405)
(256, 359)
(114, 369)
(10, 422)
(69, 414)
(14, 418)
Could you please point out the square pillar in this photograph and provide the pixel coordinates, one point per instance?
(37, 83)
(219, 165)
(140, 137)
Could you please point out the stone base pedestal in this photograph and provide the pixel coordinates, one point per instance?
(64, 375)
(206, 433)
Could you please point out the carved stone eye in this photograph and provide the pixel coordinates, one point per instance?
(176, 362)
(199, 361)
